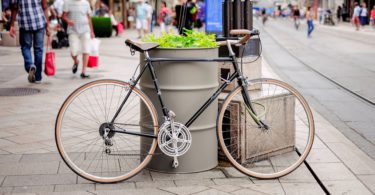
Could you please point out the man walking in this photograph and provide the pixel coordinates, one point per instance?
(32, 20)
(141, 18)
(356, 14)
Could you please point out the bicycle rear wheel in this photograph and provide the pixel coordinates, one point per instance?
(260, 152)
(86, 138)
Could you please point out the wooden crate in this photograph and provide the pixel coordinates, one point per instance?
(240, 119)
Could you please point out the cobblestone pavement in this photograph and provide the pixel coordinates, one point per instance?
(29, 162)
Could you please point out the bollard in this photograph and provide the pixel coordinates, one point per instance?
(248, 12)
(237, 14)
(227, 17)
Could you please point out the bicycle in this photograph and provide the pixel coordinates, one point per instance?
(101, 135)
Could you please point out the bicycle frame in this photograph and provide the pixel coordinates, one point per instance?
(236, 75)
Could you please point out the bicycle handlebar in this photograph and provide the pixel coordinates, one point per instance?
(248, 34)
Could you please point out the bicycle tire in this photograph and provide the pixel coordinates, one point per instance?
(280, 149)
(83, 150)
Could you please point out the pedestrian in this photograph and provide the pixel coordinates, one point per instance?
(57, 9)
(165, 18)
(33, 23)
(310, 21)
(150, 12)
(131, 17)
(178, 12)
(264, 16)
(363, 15)
(372, 16)
(77, 14)
(356, 13)
(296, 17)
(141, 18)
(6, 17)
(113, 21)
(191, 10)
(320, 15)
(201, 15)
(339, 13)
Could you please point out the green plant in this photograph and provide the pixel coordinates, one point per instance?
(192, 39)
(102, 26)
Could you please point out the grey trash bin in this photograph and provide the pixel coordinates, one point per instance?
(185, 86)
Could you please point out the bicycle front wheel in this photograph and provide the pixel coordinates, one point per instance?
(97, 149)
(272, 151)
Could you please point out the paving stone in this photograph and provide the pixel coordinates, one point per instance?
(3, 152)
(369, 181)
(331, 134)
(232, 181)
(185, 189)
(33, 189)
(35, 151)
(267, 188)
(48, 157)
(194, 182)
(300, 175)
(260, 181)
(31, 180)
(133, 192)
(212, 192)
(232, 172)
(346, 187)
(1, 179)
(6, 143)
(321, 156)
(332, 171)
(247, 191)
(10, 158)
(30, 138)
(201, 175)
(155, 184)
(116, 186)
(318, 144)
(302, 188)
(4, 190)
(81, 180)
(354, 158)
(144, 175)
(67, 193)
(74, 187)
(29, 168)
(4, 134)
(24, 148)
(226, 188)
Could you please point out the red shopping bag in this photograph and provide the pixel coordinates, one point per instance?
(120, 28)
(49, 68)
(94, 54)
(93, 61)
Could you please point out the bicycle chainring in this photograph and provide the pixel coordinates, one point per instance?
(175, 143)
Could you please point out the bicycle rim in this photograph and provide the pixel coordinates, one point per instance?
(266, 153)
(80, 136)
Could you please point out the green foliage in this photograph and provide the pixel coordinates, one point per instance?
(102, 26)
(193, 39)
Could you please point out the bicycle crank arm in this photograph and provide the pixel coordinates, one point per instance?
(175, 162)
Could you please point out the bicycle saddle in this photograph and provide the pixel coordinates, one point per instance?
(140, 46)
